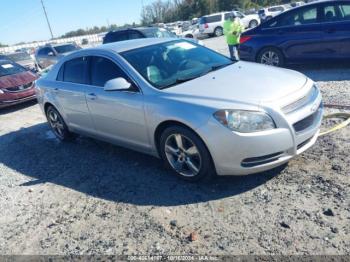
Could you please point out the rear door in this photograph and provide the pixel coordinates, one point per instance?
(336, 30)
(298, 33)
(69, 91)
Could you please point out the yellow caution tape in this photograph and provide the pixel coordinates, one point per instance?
(346, 122)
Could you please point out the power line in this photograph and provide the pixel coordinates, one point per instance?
(47, 19)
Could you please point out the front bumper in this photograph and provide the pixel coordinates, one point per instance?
(7, 103)
(236, 153)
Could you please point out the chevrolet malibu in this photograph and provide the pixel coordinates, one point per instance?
(199, 111)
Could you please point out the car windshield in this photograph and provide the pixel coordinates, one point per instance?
(168, 64)
(61, 49)
(19, 56)
(158, 33)
(10, 68)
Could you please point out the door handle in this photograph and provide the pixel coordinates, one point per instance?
(330, 30)
(55, 90)
(92, 96)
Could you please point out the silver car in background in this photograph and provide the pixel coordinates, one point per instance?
(51, 53)
(25, 60)
(196, 109)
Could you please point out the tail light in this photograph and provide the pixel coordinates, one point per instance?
(245, 38)
(206, 26)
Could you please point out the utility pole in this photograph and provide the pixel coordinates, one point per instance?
(47, 19)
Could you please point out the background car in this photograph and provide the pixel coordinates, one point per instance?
(269, 12)
(314, 32)
(25, 60)
(248, 20)
(140, 32)
(16, 84)
(213, 24)
(50, 54)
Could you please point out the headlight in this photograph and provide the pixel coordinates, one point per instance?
(245, 121)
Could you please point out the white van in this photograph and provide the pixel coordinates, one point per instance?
(213, 24)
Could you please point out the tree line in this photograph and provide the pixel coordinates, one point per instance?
(164, 11)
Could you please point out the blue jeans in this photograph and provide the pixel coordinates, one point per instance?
(233, 52)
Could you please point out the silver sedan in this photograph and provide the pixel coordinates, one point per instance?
(198, 110)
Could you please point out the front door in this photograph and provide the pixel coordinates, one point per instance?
(117, 115)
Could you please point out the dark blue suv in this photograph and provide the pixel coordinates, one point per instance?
(310, 33)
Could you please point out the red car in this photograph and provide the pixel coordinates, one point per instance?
(16, 84)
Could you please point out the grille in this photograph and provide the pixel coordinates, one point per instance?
(309, 97)
(20, 88)
(308, 121)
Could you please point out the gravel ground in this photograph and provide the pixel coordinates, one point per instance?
(89, 197)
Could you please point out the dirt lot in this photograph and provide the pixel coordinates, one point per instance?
(89, 197)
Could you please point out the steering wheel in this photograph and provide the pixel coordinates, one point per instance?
(182, 65)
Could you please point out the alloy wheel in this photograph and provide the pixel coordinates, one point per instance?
(219, 32)
(183, 155)
(270, 58)
(56, 123)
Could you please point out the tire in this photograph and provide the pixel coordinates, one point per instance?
(191, 160)
(189, 36)
(219, 31)
(58, 126)
(271, 56)
(253, 23)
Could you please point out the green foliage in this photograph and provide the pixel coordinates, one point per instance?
(94, 30)
(164, 11)
(2, 45)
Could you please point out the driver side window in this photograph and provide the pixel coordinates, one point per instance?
(102, 70)
(303, 16)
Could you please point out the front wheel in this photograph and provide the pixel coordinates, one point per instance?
(271, 56)
(186, 154)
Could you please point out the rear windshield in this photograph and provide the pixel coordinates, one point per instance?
(157, 33)
(10, 68)
(19, 56)
(61, 49)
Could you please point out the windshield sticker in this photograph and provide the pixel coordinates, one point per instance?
(6, 66)
(185, 45)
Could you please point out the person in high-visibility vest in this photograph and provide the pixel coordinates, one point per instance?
(232, 30)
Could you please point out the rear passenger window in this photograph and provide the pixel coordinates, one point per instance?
(213, 19)
(75, 70)
(103, 70)
(135, 35)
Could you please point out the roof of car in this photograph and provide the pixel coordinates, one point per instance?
(133, 28)
(127, 45)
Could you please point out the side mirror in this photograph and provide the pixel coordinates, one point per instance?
(51, 54)
(117, 84)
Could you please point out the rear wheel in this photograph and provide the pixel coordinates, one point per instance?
(271, 56)
(186, 154)
(58, 125)
(218, 31)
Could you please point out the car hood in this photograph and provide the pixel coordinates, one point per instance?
(17, 79)
(242, 82)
